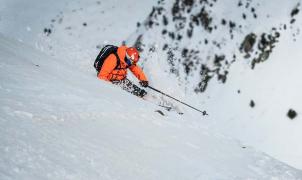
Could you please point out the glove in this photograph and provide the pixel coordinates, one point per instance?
(144, 83)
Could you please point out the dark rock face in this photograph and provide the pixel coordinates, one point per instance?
(205, 75)
(189, 20)
(202, 19)
(185, 22)
(252, 104)
(265, 47)
(47, 31)
(294, 12)
(291, 114)
(248, 44)
(189, 56)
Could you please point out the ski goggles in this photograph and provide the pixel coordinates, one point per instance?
(130, 61)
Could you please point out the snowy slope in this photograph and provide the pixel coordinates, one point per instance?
(198, 44)
(66, 109)
(57, 123)
(78, 29)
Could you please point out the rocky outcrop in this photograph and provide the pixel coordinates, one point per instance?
(196, 40)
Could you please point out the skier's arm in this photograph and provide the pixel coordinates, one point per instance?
(138, 72)
(107, 68)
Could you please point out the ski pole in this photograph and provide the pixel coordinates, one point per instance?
(203, 112)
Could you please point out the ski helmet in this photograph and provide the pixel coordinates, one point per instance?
(132, 54)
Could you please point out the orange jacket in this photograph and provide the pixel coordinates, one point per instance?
(109, 73)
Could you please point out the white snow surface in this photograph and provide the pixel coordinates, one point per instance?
(58, 121)
(274, 85)
(60, 124)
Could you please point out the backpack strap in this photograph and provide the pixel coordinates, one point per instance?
(118, 62)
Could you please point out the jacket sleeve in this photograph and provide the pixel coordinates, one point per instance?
(107, 68)
(138, 73)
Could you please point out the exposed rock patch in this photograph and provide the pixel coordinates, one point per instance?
(292, 114)
(189, 20)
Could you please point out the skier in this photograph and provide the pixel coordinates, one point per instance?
(114, 69)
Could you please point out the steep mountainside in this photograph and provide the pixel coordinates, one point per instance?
(239, 59)
(200, 40)
(55, 125)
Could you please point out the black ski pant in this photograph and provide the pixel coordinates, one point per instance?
(127, 85)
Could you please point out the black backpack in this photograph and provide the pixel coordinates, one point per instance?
(104, 53)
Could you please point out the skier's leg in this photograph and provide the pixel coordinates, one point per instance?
(134, 89)
(127, 85)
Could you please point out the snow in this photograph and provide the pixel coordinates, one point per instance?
(60, 124)
(273, 85)
(58, 121)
